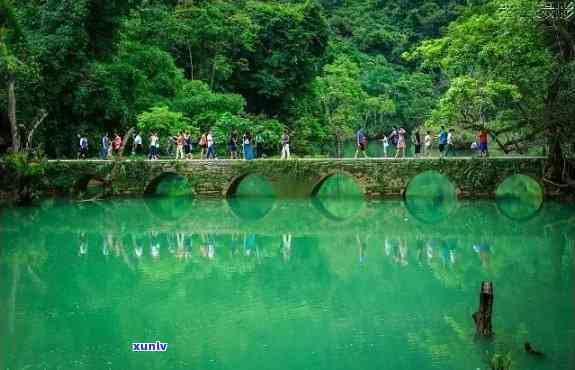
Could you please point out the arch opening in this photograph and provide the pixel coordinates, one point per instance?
(250, 185)
(251, 197)
(519, 197)
(338, 196)
(90, 187)
(169, 197)
(430, 197)
(169, 185)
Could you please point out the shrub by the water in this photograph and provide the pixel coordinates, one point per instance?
(25, 172)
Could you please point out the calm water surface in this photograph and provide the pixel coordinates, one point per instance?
(269, 284)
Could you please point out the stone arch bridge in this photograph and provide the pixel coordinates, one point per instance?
(472, 177)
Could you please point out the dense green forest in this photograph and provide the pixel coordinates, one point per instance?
(319, 68)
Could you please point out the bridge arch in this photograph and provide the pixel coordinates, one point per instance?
(519, 196)
(341, 201)
(152, 186)
(430, 174)
(319, 183)
(254, 202)
(90, 181)
(232, 188)
(430, 196)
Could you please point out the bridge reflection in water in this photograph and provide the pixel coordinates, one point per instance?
(183, 229)
(430, 198)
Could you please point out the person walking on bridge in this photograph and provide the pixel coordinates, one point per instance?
(442, 140)
(400, 143)
(427, 144)
(211, 146)
(482, 138)
(247, 146)
(104, 147)
(285, 145)
(180, 141)
(154, 146)
(117, 144)
(361, 143)
(385, 143)
(416, 139)
(203, 145)
(188, 146)
(83, 152)
(137, 148)
(450, 148)
(233, 145)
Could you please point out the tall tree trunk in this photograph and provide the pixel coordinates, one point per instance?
(42, 114)
(12, 114)
(554, 170)
(555, 160)
(127, 137)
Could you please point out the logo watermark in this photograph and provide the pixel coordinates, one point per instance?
(550, 10)
(150, 347)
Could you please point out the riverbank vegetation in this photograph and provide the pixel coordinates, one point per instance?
(319, 68)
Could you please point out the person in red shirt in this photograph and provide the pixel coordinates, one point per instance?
(482, 137)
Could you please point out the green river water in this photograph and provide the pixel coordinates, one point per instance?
(333, 282)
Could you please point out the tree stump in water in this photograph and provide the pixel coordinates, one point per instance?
(482, 317)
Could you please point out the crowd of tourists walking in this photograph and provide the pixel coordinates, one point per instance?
(182, 146)
(423, 145)
(247, 147)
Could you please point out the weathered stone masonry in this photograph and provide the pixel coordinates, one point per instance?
(473, 177)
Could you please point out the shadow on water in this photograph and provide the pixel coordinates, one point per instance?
(338, 198)
(430, 197)
(252, 199)
(519, 197)
(171, 199)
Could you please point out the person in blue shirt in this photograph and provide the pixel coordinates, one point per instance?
(442, 139)
(361, 143)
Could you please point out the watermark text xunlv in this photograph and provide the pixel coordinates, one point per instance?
(150, 347)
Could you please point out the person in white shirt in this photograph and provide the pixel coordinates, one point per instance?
(285, 145)
(385, 142)
(211, 147)
(83, 152)
(449, 149)
(427, 141)
(137, 148)
(154, 146)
